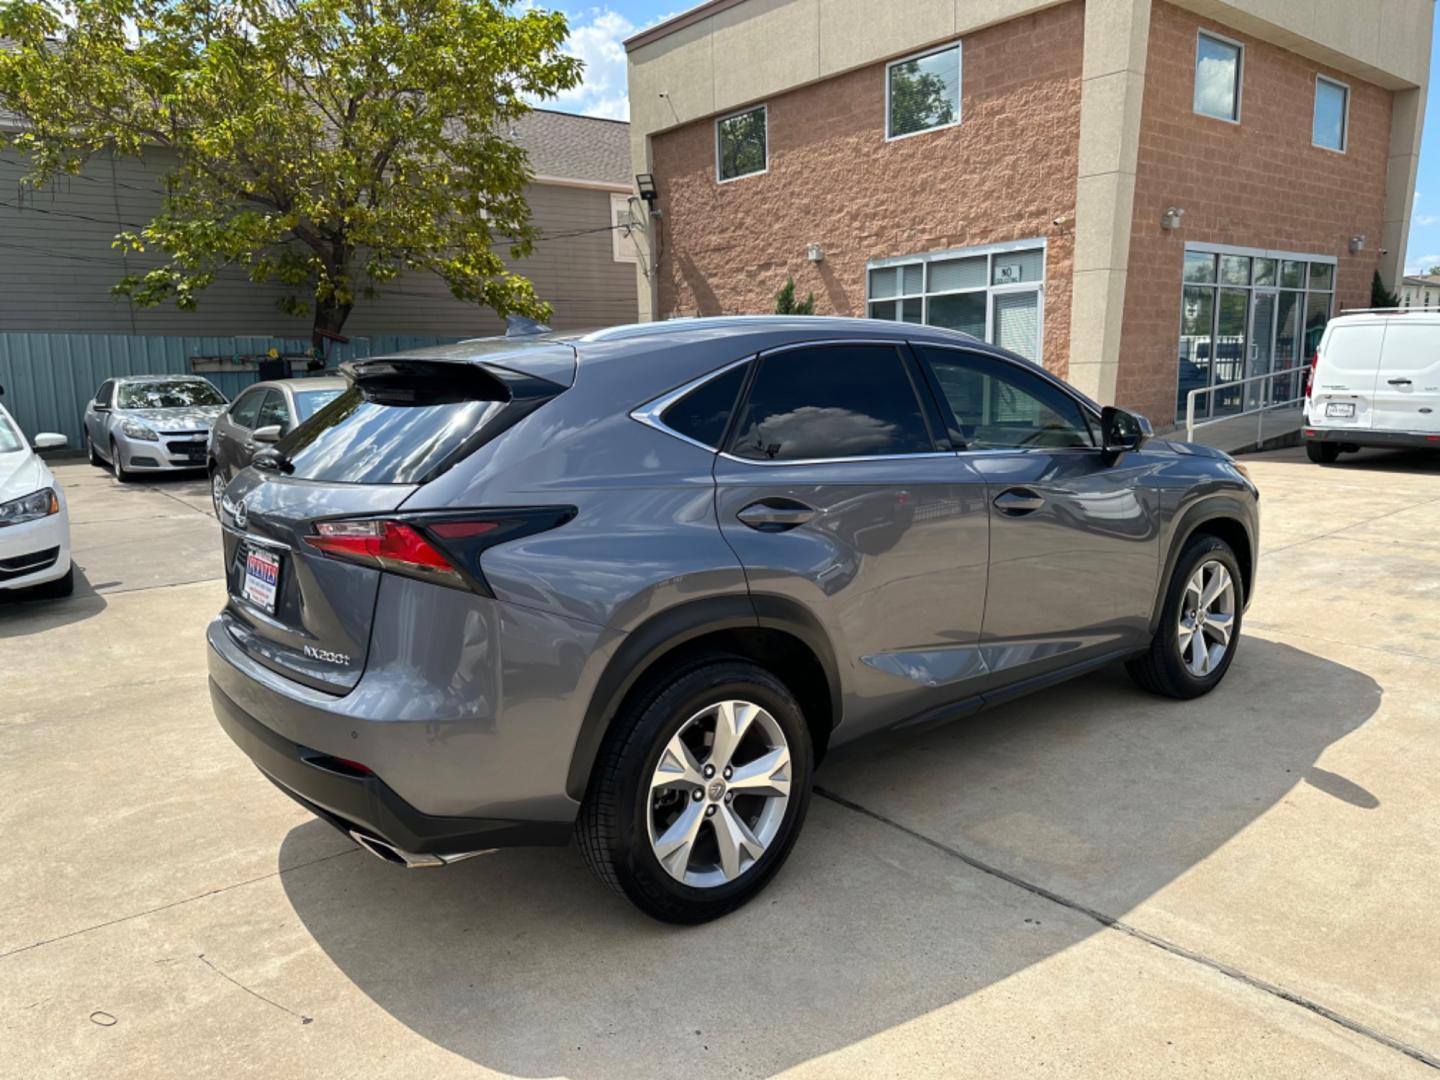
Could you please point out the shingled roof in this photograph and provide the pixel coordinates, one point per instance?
(563, 145)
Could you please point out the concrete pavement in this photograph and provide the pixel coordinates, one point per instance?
(1087, 881)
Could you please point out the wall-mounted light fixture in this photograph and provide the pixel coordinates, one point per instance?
(645, 185)
(1170, 220)
(1357, 244)
(815, 253)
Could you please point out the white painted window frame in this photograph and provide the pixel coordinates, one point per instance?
(959, 47)
(765, 111)
(1345, 120)
(1239, 78)
(623, 248)
(989, 252)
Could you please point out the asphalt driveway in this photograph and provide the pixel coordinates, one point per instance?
(1088, 881)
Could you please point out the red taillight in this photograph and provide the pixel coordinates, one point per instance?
(390, 545)
(1310, 375)
(440, 547)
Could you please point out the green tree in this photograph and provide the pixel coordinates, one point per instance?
(786, 304)
(1380, 296)
(327, 145)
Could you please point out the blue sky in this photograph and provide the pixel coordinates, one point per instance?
(597, 33)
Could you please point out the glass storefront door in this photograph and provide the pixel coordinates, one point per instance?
(1263, 311)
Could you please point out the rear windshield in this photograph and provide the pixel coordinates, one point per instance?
(357, 439)
(309, 402)
(168, 395)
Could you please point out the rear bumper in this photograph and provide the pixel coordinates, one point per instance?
(365, 804)
(1372, 438)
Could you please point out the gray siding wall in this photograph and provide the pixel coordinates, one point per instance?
(57, 266)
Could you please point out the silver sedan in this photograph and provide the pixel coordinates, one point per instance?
(151, 423)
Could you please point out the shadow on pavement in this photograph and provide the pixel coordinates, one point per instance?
(524, 964)
(21, 614)
(1370, 459)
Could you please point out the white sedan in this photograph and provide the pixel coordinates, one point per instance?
(34, 524)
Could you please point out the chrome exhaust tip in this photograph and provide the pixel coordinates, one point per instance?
(391, 854)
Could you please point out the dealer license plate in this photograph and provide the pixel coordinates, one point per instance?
(262, 579)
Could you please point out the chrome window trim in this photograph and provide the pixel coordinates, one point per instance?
(649, 414)
(836, 460)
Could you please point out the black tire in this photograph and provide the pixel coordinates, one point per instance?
(53, 590)
(1322, 453)
(1162, 670)
(117, 467)
(91, 453)
(612, 829)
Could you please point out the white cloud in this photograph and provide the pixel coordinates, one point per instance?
(597, 38)
(1422, 263)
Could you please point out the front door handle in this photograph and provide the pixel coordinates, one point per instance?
(1398, 382)
(1019, 501)
(775, 515)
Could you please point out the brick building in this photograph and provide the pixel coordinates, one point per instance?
(1146, 197)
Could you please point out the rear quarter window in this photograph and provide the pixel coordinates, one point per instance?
(704, 413)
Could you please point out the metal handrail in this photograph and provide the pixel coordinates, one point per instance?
(1265, 406)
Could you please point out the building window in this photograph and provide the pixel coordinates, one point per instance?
(623, 228)
(994, 294)
(1218, 65)
(1332, 114)
(740, 144)
(922, 93)
(1245, 313)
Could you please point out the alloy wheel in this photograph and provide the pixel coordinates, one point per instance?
(718, 795)
(217, 490)
(1207, 618)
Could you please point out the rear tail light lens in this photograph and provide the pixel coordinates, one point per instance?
(443, 549)
(389, 545)
(1310, 375)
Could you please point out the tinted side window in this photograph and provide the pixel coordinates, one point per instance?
(999, 406)
(247, 407)
(273, 411)
(704, 413)
(831, 401)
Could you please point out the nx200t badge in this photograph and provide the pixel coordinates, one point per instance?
(327, 656)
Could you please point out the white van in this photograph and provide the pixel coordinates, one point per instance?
(1374, 381)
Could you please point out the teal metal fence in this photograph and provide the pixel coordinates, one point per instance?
(48, 378)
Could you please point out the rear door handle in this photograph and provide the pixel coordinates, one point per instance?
(1019, 501)
(775, 515)
(1398, 382)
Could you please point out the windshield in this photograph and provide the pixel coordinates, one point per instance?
(10, 439)
(309, 402)
(168, 395)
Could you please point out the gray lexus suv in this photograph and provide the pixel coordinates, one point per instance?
(632, 586)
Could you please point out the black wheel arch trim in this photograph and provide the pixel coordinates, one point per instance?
(1211, 508)
(672, 628)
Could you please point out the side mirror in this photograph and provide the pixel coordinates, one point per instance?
(100, 406)
(270, 433)
(49, 440)
(1121, 431)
